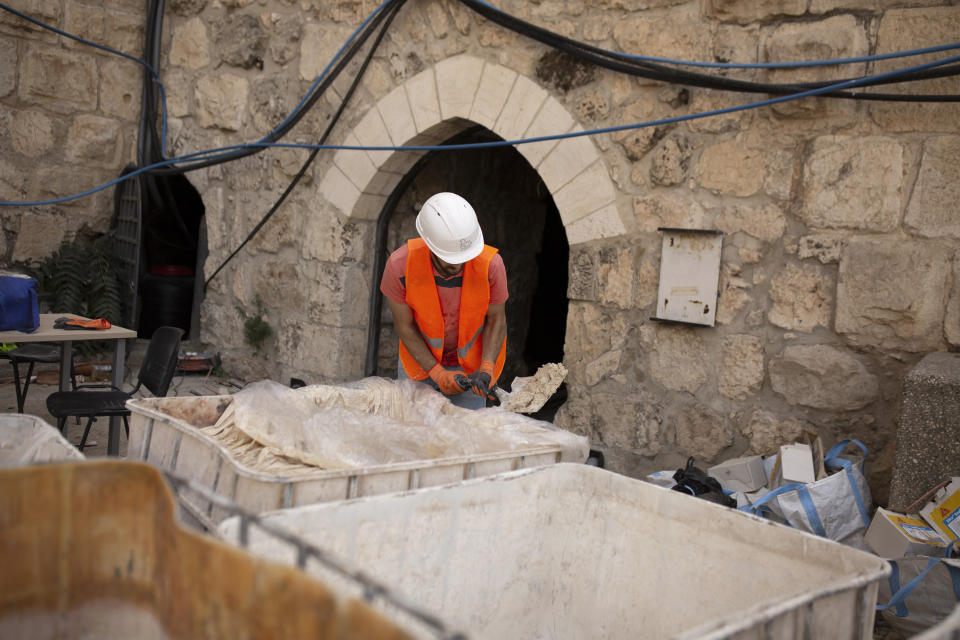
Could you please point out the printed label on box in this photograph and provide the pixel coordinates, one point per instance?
(916, 529)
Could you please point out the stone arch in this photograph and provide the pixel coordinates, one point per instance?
(447, 98)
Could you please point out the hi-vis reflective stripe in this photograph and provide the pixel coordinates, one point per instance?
(465, 349)
(435, 343)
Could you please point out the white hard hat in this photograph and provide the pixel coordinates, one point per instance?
(448, 224)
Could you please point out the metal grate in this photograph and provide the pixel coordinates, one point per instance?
(126, 243)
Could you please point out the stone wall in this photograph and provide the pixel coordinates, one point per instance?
(68, 118)
(840, 265)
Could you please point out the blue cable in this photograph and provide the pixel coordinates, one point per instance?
(765, 65)
(156, 76)
(847, 84)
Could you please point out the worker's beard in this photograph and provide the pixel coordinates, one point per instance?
(445, 268)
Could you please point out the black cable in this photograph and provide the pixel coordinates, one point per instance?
(392, 9)
(625, 64)
(294, 118)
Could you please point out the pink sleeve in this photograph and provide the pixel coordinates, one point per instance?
(497, 274)
(391, 284)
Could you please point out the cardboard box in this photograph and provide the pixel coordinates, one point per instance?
(796, 463)
(740, 474)
(895, 535)
(943, 510)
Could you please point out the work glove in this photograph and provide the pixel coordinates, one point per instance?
(483, 380)
(77, 323)
(450, 382)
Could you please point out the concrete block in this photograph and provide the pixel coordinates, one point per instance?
(928, 436)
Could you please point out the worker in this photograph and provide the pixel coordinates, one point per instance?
(447, 292)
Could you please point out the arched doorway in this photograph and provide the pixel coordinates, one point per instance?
(518, 216)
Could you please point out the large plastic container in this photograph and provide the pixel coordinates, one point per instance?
(165, 432)
(26, 439)
(91, 550)
(948, 629)
(573, 551)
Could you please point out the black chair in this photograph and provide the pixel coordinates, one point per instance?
(156, 373)
(32, 353)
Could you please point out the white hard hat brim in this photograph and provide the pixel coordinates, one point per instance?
(454, 258)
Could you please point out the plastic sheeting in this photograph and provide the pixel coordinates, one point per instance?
(26, 439)
(371, 422)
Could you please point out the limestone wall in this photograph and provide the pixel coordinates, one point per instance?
(840, 264)
(68, 118)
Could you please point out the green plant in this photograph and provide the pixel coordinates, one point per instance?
(255, 329)
(80, 278)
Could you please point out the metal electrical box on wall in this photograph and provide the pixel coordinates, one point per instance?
(689, 276)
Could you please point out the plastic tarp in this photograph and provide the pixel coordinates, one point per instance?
(377, 421)
(26, 439)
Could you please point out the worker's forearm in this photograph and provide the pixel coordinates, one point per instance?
(415, 345)
(494, 333)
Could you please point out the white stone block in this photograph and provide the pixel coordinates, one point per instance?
(422, 95)
(552, 119)
(495, 85)
(356, 165)
(395, 110)
(604, 223)
(588, 192)
(371, 131)
(522, 106)
(337, 189)
(457, 82)
(567, 159)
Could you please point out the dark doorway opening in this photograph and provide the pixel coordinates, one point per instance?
(518, 216)
(173, 248)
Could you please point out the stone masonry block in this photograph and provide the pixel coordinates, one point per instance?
(495, 85)
(588, 192)
(932, 209)
(395, 110)
(522, 106)
(62, 81)
(355, 164)
(746, 11)
(928, 436)
(190, 46)
(372, 131)
(901, 29)
(553, 118)
(892, 293)
(339, 191)
(8, 71)
(95, 140)
(424, 104)
(222, 101)
(568, 158)
(854, 182)
(603, 223)
(457, 82)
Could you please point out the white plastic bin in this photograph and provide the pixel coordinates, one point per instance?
(948, 629)
(164, 432)
(26, 439)
(573, 551)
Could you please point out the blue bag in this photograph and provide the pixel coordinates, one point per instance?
(19, 309)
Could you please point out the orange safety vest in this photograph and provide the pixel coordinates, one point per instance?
(423, 298)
